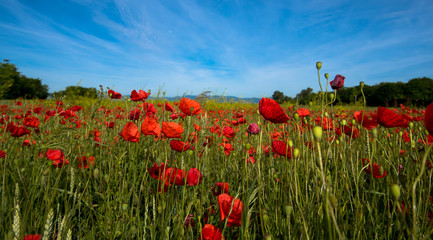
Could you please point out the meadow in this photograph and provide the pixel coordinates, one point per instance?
(151, 169)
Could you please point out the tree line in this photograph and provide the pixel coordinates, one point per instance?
(416, 92)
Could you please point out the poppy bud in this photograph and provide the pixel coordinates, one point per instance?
(318, 65)
(96, 173)
(333, 200)
(288, 209)
(296, 116)
(361, 84)
(124, 206)
(317, 132)
(268, 236)
(411, 124)
(296, 152)
(290, 143)
(310, 103)
(326, 75)
(331, 96)
(343, 122)
(395, 190)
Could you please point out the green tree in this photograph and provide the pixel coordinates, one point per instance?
(77, 91)
(278, 96)
(420, 91)
(305, 96)
(15, 85)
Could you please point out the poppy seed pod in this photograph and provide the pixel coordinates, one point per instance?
(317, 132)
(395, 190)
(327, 75)
(318, 65)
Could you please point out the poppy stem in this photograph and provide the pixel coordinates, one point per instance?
(418, 178)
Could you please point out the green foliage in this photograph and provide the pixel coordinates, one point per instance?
(15, 85)
(420, 91)
(305, 96)
(280, 97)
(416, 92)
(77, 91)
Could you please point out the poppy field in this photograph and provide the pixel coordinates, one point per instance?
(151, 169)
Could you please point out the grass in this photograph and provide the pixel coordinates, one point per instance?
(324, 192)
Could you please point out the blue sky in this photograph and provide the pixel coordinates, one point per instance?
(244, 48)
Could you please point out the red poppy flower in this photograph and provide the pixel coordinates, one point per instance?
(253, 128)
(172, 130)
(76, 108)
(150, 127)
(390, 119)
(168, 107)
(150, 109)
(179, 146)
(130, 132)
(186, 104)
(17, 131)
(228, 148)
(303, 112)
(2, 154)
(376, 169)
(211, 232)
(32, 237)
(281, 148)
(428, 118)
(351, 131)
(85, 161)
(225, 203)
(57, 157)
(140, 96)
(194, 177)
(366, 121)
(114, 95)
(32, 122)
(109, 124)
(156, 171)
(219, 188)
(338, 82)
(272, 111)
(228, 132)
(174, 176)
(134, 115)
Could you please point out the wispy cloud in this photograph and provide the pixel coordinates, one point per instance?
(249, 48)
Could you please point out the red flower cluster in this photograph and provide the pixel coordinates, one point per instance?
(57, 157)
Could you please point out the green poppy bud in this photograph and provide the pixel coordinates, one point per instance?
(296, 152)
(318, 65)
(327, 75)
(124, 207)
(343, 122)
(361, 84)
(310, 103)
(296, 116)
(290, 143)
(333, 200)
(411, 124)
(317, 132)
(395, 190)
(288, 209)
(331, 95)
(96, 173)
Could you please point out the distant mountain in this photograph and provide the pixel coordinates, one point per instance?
(217, 98)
